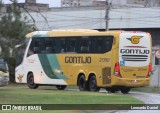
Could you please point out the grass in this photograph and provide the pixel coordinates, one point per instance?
(50, 95)
(21, 94)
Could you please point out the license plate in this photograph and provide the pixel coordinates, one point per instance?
(133, 81)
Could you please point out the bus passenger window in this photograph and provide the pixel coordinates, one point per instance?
(84, 45)
(84, 49)
(62, 45)
(36, 46)
(49, 45)
(71, 44)
(49, 50)
(36, 50)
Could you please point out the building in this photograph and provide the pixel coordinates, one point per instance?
(76, 3)
(146, 3)
(29, 5)
(115, 3)
(32, 5)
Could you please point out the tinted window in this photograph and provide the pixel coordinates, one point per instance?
(20, 51)
(86, 44)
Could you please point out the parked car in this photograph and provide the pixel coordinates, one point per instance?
(4, 73)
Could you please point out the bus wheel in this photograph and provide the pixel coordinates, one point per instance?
(61, 87)
(82, 83)
(30, 82)
(125, 90)
(93, 84)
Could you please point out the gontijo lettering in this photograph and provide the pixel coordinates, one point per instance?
(135, 51)
(78, 59)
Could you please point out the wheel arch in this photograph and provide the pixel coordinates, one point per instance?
(29, 73)
(91, 74)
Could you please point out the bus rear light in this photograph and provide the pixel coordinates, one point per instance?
(117, 70)
(149, 70)
(150, 67)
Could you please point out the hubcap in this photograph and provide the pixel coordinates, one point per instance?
(92, 84)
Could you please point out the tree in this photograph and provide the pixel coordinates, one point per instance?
(13, 28)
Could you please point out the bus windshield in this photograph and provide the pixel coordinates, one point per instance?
(20, 51)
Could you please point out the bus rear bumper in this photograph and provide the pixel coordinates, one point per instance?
(131, 82)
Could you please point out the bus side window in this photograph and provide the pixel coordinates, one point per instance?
(85, 45)
(71, 44)
(60, 45)
(49, 45)
(102, 44)
(108, 44)
(36, 46)
(99, 45)
(31, 49)
(36, 50)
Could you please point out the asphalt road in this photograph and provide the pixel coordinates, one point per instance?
(147, 98)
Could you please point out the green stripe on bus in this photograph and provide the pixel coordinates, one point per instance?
(55, 66)
(51, 66)
(46, 66)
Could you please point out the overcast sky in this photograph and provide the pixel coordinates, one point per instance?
(52, 3)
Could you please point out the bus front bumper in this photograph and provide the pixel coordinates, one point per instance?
(4, 80)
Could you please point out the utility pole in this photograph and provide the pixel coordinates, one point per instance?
(108, 6)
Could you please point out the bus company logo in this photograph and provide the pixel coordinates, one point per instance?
(20, 77)
(135, 39)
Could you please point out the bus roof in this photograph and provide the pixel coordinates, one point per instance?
(53, 33)
(74, 32)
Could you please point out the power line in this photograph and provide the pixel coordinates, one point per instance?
(133, 11)
(28, 14)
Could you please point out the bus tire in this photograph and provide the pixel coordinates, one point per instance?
(93, 84)
(30, 82)
(61, 87)
(125, 90)
(82, 83)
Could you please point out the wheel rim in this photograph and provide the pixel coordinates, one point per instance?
(81, 83)
(31, 81)
(92, 84)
